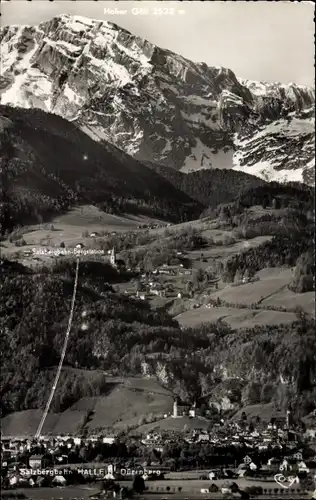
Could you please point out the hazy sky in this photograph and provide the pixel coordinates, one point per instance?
(272, 41)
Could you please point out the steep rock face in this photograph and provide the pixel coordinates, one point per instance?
(156, 105)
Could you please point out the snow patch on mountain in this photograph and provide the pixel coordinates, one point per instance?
(157, 105)
(283, 149)
(266, 171)
(95, 133)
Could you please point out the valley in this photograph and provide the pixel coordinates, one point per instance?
(179, 272)
(157, 253)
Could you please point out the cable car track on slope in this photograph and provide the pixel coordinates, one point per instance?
(62, 357)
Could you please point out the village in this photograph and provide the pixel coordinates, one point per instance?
(168, 281)
(199, 456)
(229, 451)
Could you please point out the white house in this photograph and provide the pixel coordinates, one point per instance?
(225, 491)
(272, 461)
(284, 465)
(60, 480)
(108, 439)
(310, 433)
(192, 411)
(302, 467)
(203, 437)
(13, 480)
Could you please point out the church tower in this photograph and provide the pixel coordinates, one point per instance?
(113, 257)
(288, 419)
(175, 409)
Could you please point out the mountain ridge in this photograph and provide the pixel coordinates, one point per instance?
(156, 105)
(49, 165)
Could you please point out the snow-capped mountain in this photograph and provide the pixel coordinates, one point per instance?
(156, 105)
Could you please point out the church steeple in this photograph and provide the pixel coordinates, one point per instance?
(113, 257)
(175, 408)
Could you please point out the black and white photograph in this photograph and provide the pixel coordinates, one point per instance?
(157, 250)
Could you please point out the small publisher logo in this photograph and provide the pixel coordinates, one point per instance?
(285, 482)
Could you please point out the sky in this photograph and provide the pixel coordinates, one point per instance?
(267, 41)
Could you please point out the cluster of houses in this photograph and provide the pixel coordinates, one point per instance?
(11, 446)
(46, 453)
(237, 436)
(150, 283)
(232, 436)
(277, 437)
(50, 443)
(290, 461)
(285, 460)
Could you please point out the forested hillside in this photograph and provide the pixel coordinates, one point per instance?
(48, 166)
(280, 251)
(119, 335)
(284, 211)
(210, 187)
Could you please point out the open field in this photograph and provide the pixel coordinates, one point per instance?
(70, 421)
(236, 318)
(262, 318)
(257, 211)
(93, 218)
(68, 228)
(254, 292)
(25, 423)
(129, 401)
(270, 291)
(270, 272)
(198, 224)
(195, 317)
(224, 252)
(264, 411)
(157, 302)
(124, 406)
(79, 493)
(209, 228)
(217, 235)
(288, 299)
(59, 493)
(174, 424)
(195, 485)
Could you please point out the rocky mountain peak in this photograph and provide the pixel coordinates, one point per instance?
(154, 104)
